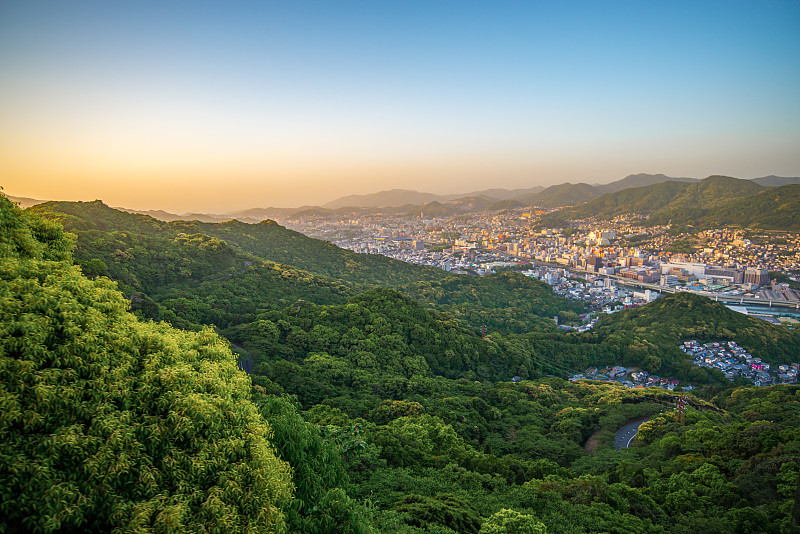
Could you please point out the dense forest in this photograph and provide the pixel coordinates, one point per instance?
(373, 403)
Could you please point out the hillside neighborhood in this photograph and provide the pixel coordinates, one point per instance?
(735, 361)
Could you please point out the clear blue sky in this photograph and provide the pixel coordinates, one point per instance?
(225, 105)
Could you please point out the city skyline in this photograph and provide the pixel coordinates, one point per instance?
(217, 109)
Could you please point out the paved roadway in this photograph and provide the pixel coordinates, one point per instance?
(741, 300)
(625, 435)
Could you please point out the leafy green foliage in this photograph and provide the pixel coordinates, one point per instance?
(142, 263)
(445, 510)
(637, 200)
(31, 237)
(775, 208)
(512, 522)
(240, 297)
(704, 195)
(508, 302)
(108, 423)
(380, 331)
(319, 503)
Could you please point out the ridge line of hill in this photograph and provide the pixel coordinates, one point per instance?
(712, 202)
(565, 194)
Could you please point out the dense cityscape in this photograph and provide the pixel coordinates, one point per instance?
(588, 260)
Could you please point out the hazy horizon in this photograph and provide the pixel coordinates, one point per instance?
(218, 109)
(320, 203)
(247, 207)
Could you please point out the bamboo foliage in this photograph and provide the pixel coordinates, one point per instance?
(109, 424)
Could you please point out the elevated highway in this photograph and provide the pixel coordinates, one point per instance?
(732, 299)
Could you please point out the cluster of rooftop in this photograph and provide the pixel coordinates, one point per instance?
(735, 361)
(630, 377)
(597, 293)
(724, 261)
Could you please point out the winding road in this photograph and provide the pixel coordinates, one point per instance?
(625, 435)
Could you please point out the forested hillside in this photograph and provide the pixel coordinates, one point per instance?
(777, 208)
(701, 197)
(638, 200)
(195, 274)
(267, 240)
(109, 423)
(561, 195)
(658, 328)
(711, 203)
(507, 302)
(367, 410)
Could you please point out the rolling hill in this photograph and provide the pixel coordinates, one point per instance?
(639, 180)
(499, 193)
(776, 181)
(115, 424)
(451, 207)
(266, 240)
(395, 197)
(775, 208)
(698, 198)
(716, 200)
(404, 200)
(507, 302)
(566, 194)
(655, 330)
(192, 273)
(405, 197)
(569, 194)
(24, 202)
(561, 195)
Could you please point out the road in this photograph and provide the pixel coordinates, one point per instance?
(625, 435)
(735, 299)
(741, 300)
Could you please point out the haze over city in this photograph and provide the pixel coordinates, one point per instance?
(190, 107)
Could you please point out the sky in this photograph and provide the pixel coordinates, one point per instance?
(219, 106)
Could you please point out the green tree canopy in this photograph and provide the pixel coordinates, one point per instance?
(112, 424)
(512, 522)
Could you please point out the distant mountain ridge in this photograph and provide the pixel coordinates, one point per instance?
(566, 194)
(500, 194)
(714, 201)
(405, 200)
(266, 240)
(24, 202)
(776, 181)
(562, 195)
(166, 216)
(394, 197)
(642, 180)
